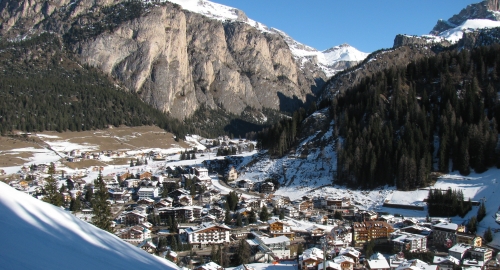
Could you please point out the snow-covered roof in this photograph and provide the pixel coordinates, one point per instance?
(378, 264)
(416, 264)
(446, 226)
(204, 226)
(329, 264)
(264, 266)
(275, 240)
(444, 260)
(313, 253)
(210, 266)
(460, 248)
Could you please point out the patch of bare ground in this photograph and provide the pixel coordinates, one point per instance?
(113, 139)
(10, 157)
(121, 138)
(8, 143)
(84, 164)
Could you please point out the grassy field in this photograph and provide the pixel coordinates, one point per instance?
(113, 139)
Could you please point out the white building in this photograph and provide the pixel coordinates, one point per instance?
(207, 233)
(409, 241)
(147, 192)
(279, 246)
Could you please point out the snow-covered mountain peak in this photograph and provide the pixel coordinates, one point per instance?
(455, 34)
(218, 12)
(328, 61)
(343, 52)
(484, 14)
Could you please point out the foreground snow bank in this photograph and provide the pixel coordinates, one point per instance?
(37, 235)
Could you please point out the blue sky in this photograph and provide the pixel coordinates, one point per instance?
(368, 25)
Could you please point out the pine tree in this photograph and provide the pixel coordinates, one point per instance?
(488, 235)
(52, 194)
(252, 218)
(472, 225)
(481, 212)
(102, 210)
(75, 205)
(242, 255)
(227, 217)
(89, 194)
(239, 221)
(264, 215)
(282, 215)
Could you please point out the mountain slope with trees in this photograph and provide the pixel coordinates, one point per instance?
(400, 124)
(41, 88)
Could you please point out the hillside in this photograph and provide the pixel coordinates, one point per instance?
(60, 240)
(43, 88)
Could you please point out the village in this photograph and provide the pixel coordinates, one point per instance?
(205, 214)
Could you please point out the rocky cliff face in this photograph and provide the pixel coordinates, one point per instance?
(484, 10)
(405, 40)
(176, 60)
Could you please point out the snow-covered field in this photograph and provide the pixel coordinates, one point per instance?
(59, 240)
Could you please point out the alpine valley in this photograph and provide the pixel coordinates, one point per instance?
(153, 94)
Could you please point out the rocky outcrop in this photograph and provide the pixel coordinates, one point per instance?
(483, 37)
(405, 40)
(482, 10)
(175, 60)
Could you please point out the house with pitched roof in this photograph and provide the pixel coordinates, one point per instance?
(311, 258)
(207, 234)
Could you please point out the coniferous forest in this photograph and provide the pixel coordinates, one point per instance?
(447, 203)
(400, 124)
(42, 89)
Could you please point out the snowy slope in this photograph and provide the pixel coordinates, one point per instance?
(37, 235)
(326, 60)
(218, 12)
(455, 34)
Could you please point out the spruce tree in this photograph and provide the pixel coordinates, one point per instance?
(242, 255)
(472, 225)
(213, 254)
(89, 194)
(481, 212)
(252, 218)
(75, 205)
(227, 217)
(102, 210)
(264, 215)
(52, 194)
(282, 215)
(239, 221)
(488, 235)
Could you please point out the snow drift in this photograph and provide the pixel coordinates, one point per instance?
(37, 235)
